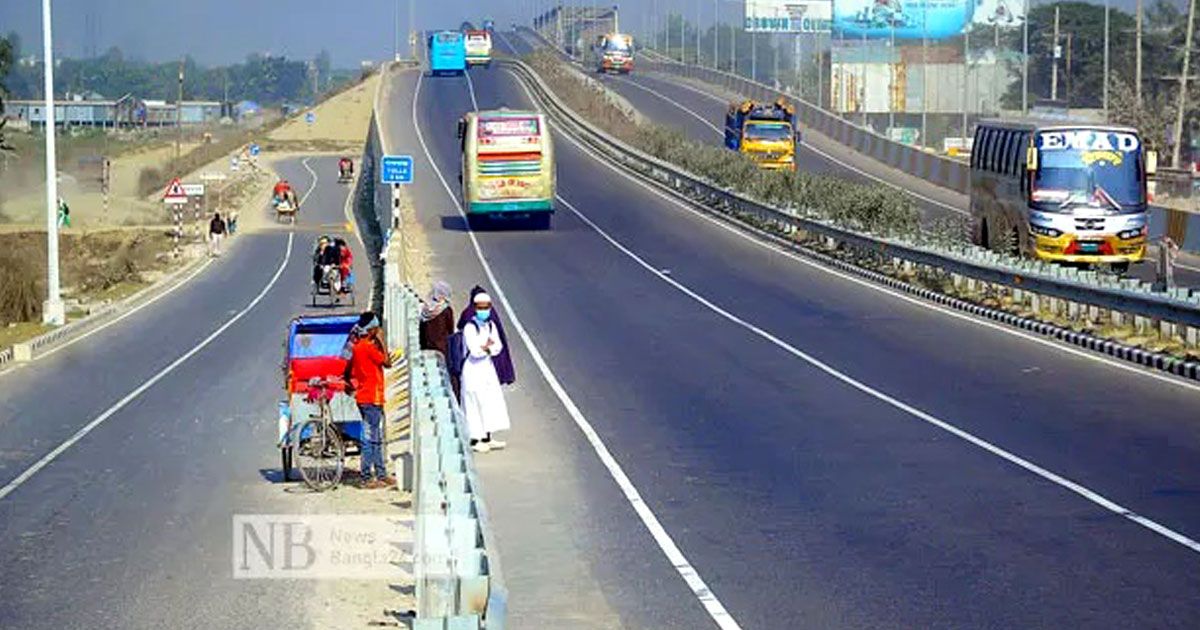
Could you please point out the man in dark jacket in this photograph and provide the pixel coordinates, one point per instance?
(216, 232)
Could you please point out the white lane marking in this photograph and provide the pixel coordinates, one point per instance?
(131, 396)
(823, 154)
(1048, 343)
(716, 610)
(470, 90)
(717, 130)
(895, 402)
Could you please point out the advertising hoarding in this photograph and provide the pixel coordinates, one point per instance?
(903, 19)
(789, 16)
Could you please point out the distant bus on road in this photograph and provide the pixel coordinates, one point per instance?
(479, 48)
(507, 166)
(447, 53)
(1060, 191)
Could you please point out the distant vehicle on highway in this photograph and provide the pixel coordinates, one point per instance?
(1061, 191)
(613, 52)
(447, 53)
(479, 48)
(766, 133)
(507, 169)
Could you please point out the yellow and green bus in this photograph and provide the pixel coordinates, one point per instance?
(507, 166)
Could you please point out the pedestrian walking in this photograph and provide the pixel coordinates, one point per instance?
(64, 214)
(437, 325)
(216, 232)
(368, 357)
(482, 398)
(233, 218)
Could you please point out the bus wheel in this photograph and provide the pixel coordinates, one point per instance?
(1120, 268)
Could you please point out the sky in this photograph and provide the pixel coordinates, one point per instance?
(225, 31)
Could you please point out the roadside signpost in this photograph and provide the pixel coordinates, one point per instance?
(176, 198)
(396, 169)
(175, 194)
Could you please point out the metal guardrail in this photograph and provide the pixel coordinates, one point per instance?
(455, 567)
(1067, 288)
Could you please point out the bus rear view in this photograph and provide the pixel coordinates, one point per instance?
(1059, 192)
(479, 48)
(447, 53)
(507, 166)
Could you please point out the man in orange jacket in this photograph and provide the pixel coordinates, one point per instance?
(369, 356)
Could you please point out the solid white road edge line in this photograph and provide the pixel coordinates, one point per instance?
(1048, 343)
(716, 610)
(892, 401)
(131, 396)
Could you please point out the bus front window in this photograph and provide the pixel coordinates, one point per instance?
(769, 132)
(1105, 171)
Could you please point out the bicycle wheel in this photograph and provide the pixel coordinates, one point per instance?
(320, 455)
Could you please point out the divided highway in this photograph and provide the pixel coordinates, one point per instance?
(123, 457)
(821, 452)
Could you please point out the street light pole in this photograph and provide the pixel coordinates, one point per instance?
(1025, 62)
(1183, 84)
(1106, 11)
(53, 312)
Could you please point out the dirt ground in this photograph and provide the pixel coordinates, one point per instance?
(341, 123)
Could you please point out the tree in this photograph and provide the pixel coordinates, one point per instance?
(6, 58)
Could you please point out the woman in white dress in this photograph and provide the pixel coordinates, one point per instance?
(482, 399)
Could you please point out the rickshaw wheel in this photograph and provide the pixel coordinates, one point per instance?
(320, 456)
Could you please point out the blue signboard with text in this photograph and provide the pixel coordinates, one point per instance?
(396, 169)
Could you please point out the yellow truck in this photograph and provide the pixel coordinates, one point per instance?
(767, 133)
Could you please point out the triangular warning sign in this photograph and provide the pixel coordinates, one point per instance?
(175, 190)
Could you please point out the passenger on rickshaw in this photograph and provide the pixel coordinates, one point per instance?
(346, 258)
(326, 253)
(283, 191)
(345, 168)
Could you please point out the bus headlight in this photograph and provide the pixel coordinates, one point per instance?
(1125, 235)
(1042, 230)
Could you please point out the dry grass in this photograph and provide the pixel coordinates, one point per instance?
(341, 122)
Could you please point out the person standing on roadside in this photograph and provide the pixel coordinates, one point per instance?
(482, 399)
(437, 324)
(368, 357)
(233, 217)
(216, 232)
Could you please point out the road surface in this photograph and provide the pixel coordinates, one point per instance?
(130, 525)
(821, 452)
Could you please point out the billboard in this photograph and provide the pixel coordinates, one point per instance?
(789, 16)
(1000, 13)
(903, 19)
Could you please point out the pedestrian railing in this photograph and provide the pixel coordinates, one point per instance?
(1071, 294)
(455, 567)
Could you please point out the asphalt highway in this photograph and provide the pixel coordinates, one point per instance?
(823, 453)
(124, 456)
(700, 115)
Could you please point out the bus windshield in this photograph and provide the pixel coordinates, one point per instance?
(616, 44)
(769, 131)
(448, 38)
(1088, 167)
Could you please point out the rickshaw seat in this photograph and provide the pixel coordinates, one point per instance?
(303, 369)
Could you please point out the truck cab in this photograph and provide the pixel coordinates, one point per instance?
(766, 133)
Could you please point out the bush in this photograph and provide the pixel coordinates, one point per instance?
(21, 289)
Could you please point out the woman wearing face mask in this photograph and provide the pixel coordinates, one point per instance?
(482, 399)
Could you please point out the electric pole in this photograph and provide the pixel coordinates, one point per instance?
(1137, 75)
(1025, 61)
(1106, 79)
(179, 116)
(1183, 81)
(1054, 48)
(53, 311)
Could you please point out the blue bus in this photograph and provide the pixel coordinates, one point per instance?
(447, 53)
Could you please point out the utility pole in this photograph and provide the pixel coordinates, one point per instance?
(1183, 81)
(1137, 73)
(179, 116)
(1106, 10)
(966, 77)
(1025, 61)
(53, 312)
(697, 32)
(412, 29)
(716, 33)
(1055, 50)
